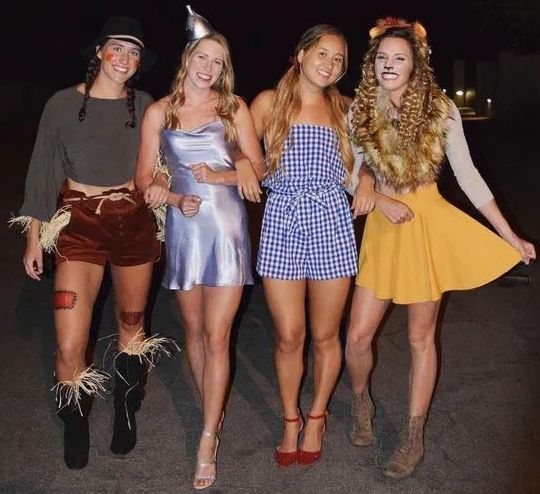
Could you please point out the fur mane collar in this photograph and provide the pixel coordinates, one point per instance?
(418, 164)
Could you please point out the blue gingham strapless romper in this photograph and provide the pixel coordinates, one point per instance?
(307, 230)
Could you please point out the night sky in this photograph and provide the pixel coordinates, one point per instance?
(42, 42)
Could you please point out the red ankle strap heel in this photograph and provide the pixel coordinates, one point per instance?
(306, 458)
(285, 459)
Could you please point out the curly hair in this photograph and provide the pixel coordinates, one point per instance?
(224, 86)
(287, 103)
(416, 103)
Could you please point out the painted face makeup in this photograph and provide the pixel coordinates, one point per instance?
(393, 66)
(205, 64)
(119, 60)
(323, 64)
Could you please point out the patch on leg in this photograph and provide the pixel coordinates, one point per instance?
(64, 299)
(131, 318)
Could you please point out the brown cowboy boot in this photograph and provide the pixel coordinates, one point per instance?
(362, 414)
(410, 450)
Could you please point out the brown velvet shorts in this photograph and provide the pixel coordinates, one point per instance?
(116, 226)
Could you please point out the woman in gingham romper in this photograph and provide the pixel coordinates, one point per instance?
(307, 245)
(307, 231)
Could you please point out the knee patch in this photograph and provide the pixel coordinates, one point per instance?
(64, 299)
(131, 318)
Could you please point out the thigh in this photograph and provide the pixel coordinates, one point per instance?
(220, 306)
(76, 286)
(422, 319)
(286, 300)
(191, 307)
(131, 285)
(366, 314)
(326, 302)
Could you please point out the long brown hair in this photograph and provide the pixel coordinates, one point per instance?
(287, 103)
(416, 105)
(224, 86)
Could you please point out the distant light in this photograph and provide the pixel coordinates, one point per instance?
(489, 100)
(459, 93)
(444, 90)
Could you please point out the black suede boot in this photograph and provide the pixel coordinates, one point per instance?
(74, 402)
(130, 373)
(76, 432)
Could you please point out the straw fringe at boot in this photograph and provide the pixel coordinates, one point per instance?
(131, 366)
(74, 402)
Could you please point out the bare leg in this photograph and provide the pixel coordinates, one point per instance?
(220, 307)
(422, 324)
(366, 314)
(326, 302)
(76, 287)
(286, 300)
(191, 308)
(131, 286)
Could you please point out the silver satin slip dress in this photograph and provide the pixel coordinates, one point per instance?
(211, 248)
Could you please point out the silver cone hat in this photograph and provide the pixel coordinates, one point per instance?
(196, 25)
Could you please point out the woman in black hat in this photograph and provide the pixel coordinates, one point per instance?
(80, 202)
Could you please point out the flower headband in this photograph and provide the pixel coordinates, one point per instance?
(389, 22)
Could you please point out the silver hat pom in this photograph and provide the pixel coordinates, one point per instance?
(196, 25)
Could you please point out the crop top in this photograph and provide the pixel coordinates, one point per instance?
(99, 151)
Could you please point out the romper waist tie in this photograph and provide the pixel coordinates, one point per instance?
(113, 196)
(290, 202)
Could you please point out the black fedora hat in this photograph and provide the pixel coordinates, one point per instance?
(125, 29)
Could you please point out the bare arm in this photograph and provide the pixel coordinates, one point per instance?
(260, 109)
(155, 188)
(248, 140)
(366, 198)
(364, 194)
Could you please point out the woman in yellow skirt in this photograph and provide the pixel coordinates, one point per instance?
(416, 245)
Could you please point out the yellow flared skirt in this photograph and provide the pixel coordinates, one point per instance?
(441, 249)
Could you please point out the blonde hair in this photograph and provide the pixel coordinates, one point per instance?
(224, 86)
(287, 103)
(416, 105)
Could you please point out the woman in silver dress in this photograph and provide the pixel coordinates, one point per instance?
(197, 128)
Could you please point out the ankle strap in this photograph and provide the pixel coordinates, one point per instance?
(298, 417)
(290, 421)
(317, 417)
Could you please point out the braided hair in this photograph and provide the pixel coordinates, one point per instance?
(91, 73)
(132, 123)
